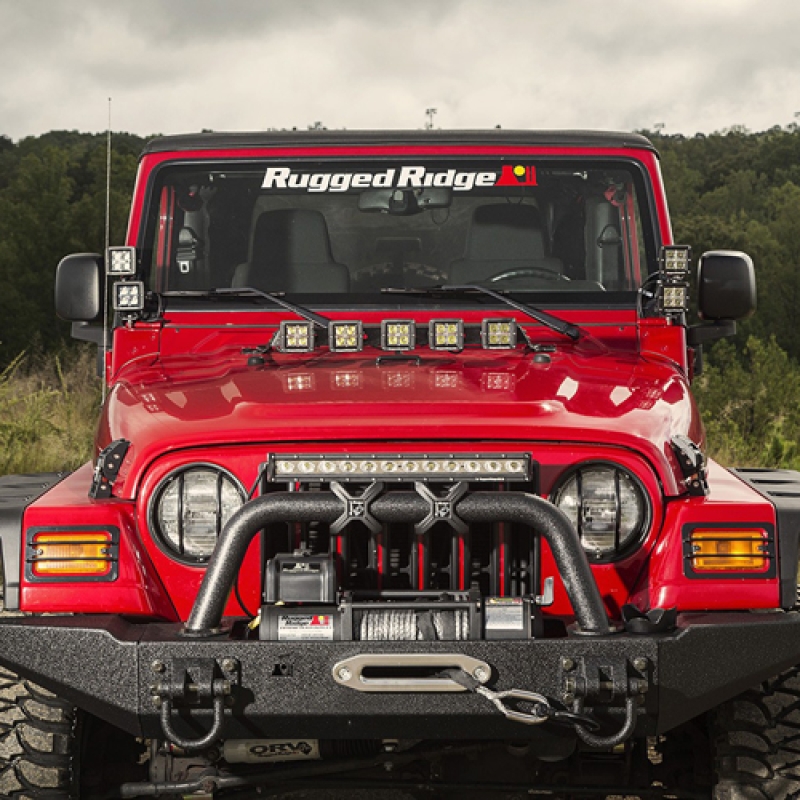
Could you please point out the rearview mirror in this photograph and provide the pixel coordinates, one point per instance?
(726, 285)
(404, 202)
(79, 287)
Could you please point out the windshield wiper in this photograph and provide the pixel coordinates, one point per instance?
(548, 320)
(249, 291)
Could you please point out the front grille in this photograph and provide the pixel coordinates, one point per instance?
(500, 559)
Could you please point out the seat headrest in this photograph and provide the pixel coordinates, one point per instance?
(505, 232)
(291, 236)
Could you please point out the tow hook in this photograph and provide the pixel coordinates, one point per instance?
(193, 683)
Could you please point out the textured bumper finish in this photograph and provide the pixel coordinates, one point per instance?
(106, 666)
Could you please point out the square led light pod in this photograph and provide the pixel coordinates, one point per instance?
(674, 299)
(446, 334)
(121, 261)
(398, 334)
(499, 334)
(296, 337)
(345, 337)
(676, 261)
(128, 296)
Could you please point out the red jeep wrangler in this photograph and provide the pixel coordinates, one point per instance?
(399, 482)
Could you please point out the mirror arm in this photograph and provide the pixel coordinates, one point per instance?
(703, 332)
(87, 332)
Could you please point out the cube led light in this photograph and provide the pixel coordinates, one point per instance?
(674, 298)
(121, 261)
(446, 334)
(296, 337)
(345, 337)
(676, 261)
(128, 296)
(398, 334)
(499, 334)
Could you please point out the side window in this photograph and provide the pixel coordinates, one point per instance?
(613, 237)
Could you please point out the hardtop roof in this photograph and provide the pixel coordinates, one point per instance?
(322, 138)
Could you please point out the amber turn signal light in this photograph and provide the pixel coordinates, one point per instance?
(733, 550)
(81, 553)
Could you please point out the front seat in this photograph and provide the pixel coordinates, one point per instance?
(504, 238)
(292, 253)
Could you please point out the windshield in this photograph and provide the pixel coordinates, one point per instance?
(336, 232)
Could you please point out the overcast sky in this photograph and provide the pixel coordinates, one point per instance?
(183, 65)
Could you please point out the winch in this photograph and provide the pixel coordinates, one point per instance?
(302, 603)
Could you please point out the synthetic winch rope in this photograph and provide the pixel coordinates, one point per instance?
(410, 625)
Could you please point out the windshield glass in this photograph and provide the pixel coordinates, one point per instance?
(337, 232)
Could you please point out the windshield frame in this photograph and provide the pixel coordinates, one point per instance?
(647, 216)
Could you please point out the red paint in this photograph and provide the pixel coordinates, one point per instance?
(138, 590)
(181, 392)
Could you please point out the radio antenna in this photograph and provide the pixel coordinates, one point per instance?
(104, 348)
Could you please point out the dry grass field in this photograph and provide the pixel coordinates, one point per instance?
(48, 412)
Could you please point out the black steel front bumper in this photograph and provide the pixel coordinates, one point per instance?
(135, 675)
(110, 667)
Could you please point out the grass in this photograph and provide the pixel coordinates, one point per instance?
(48, 412)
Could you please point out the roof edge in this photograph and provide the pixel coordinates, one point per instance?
(334, 138)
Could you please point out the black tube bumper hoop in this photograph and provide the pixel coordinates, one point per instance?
(457, 507)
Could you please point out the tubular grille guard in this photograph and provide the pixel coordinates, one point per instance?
(408, 507)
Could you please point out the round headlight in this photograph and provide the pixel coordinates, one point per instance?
(606, 504)
(190, 508)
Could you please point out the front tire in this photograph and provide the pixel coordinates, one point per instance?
(756, 742)
(50, 750)
(36, 741)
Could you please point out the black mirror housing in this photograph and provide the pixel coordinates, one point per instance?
(726, 285)
(79, 287)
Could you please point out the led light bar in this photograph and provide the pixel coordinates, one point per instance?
(499, 334)
(313, 468)
(345, 337)
(121, 261)
(398, 334)
(446, 334)
(296, 337)
(128, 296)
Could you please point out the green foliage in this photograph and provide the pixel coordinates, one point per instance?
(48, 411)
(748, 401)
(52, 203)
(738, 190)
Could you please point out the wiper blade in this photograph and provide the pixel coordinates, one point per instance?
(249, 291)
(548, 320)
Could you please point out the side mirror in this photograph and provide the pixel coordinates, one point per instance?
(79, 287)
(726, 285)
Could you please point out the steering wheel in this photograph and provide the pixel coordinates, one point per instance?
(527, 272)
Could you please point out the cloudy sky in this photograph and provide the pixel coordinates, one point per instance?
(182, 65)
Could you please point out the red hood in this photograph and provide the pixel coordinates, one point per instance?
(616, 399)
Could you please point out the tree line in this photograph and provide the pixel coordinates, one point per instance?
(52, 203)
(734, 189)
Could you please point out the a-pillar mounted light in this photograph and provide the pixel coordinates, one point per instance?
(127, 296)
(674, 264)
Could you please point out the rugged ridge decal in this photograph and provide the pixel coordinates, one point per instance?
(409, 177)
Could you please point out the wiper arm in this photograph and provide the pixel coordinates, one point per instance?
(249, 291)
(548, 320)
